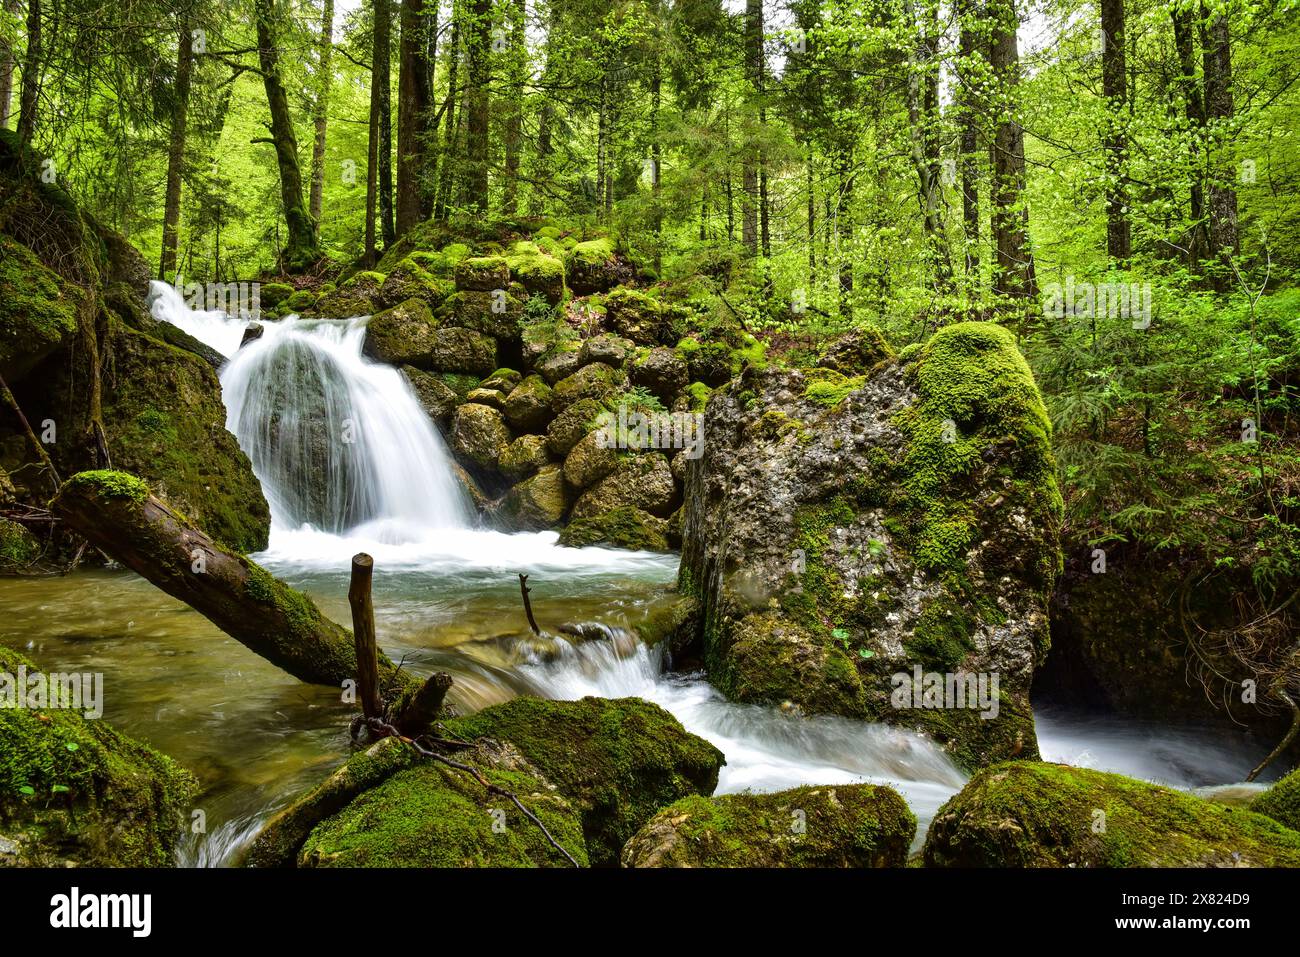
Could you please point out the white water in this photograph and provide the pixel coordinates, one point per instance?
(293, 395)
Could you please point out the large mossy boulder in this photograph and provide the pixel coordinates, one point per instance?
(618, 760)
(166, 423)
(568, 428)
(1031, 814)
(436, 397)
(461, 351)
(1281, 802)
(596, 381)
(75, 791)
(479, 435)
(538, 502)
(624, 527)
(401, 335)
(38, 310)
(594, 266)
(636, 316)
(642, 481)
(852, 825)
(853, 541)
(593, 771)
(528, 406)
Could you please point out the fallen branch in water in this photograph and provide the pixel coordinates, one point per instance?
(528, 605)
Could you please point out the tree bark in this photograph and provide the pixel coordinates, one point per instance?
(513, 132)
(446, 179)
(1222, 195)
(363, 634)
(1013, 273)
(303, 246)
(749, 184)
(238, 596)
(7, 64)
(478, 47)
(320, 109)
(176, 156)
(968, 64)
(31, 75)
(1194, 109)
(1115, 88)
(381, 78)
(413, 102)
(923, 119)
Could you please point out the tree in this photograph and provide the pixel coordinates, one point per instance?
(1115, 89)
(176, 152)
(1013, 272)
(414, 100)
(320, 107)
(1216, 48)
(477, 101)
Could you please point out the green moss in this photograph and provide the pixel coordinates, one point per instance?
(699, 395)
(1031, 814)
(110, 484)
(854, 825)
(594, 252)
(942, 637)
(617, 760)
(38, 309)
(18, 547)
(271, 294)
(624, 527)
(829, 388)
(1281, 802)
(752, 353)
(74, 789)
(300, 300)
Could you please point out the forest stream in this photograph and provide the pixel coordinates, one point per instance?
(447, 598)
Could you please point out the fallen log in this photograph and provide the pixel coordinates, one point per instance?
(116, 512)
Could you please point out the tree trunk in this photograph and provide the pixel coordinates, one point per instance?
(238, 596)
(446, 180)
(1013, 273)
(414, 96)
(1194, 109)
(515, 15)
(7, 64)
(1222, 199)
(176, 156)
(478, 47)
(844, 233)
(749, 226)
(303, 247)
(31, 75)
(320, 109)
(381, 78)
(1115, 88)
(968, 57)
(924, 120)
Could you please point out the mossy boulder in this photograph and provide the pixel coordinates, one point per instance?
(479, 435)
(559, 363)
(438, 399)
(346, 304)
(1031, 814)
(662, 372)
(165, 422)
(568, 428)
(461, 351)
(74, 790)
(540, 274)
(482, 273)
(528, 406)
(851, 825)
(401, 335)
(899, 522)
(618, 760)
(272, 294)
(301, 300)
(1281, 802)
(590, 461)
(641, 481)
(596, 381)
(38, 310)
(523, 457)
(856, 352)
(636, 316)
(430, 815)
(489, 397)
(409, 279)
(496, 313)
(19, 548)
(538, 502)
(594, 266)
(625, 527)
(607, 348)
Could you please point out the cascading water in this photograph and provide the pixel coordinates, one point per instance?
(338, 442)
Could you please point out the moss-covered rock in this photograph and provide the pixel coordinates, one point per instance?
(540, 274)
(431, 815)
(272, 294)
(596, 381)
(559, 363)
(19, 548)
(662, 372)
(1031, 814)
(410, 279)
(568, 428)
(479, 435)
(165, 421)
(537, 503)
(607, 348)
(706, 362)
(641, 481)
(638, 317)
(1281, 802)
(589, 461)
(461, 351)
(436, 397)
(523, 457)
(401, 335)
(38, 310)
(625, 527)
(482, 273)
(856, 352)
(617, 760)
(74, 790)
(495, 313)
(301, 300)
(903, 518)
(851, 825)
(593, 266)
(528, 406)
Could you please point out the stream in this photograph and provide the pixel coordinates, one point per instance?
(446, 597)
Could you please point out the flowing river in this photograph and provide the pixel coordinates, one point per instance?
(447, 598)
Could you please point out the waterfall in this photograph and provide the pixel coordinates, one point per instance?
(338, 442)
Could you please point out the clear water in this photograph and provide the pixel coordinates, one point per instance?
(446, 598)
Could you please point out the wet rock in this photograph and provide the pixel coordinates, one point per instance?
(879, 526)
(588, 462)
(479, 435)
(624, 527)
(851, 825)
(523, 457)
(437, 398)
(401, 335)
(539, 502)
(567, 428)
(1031, 814)
(643, 482)
(528, 406)
(662, 372)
